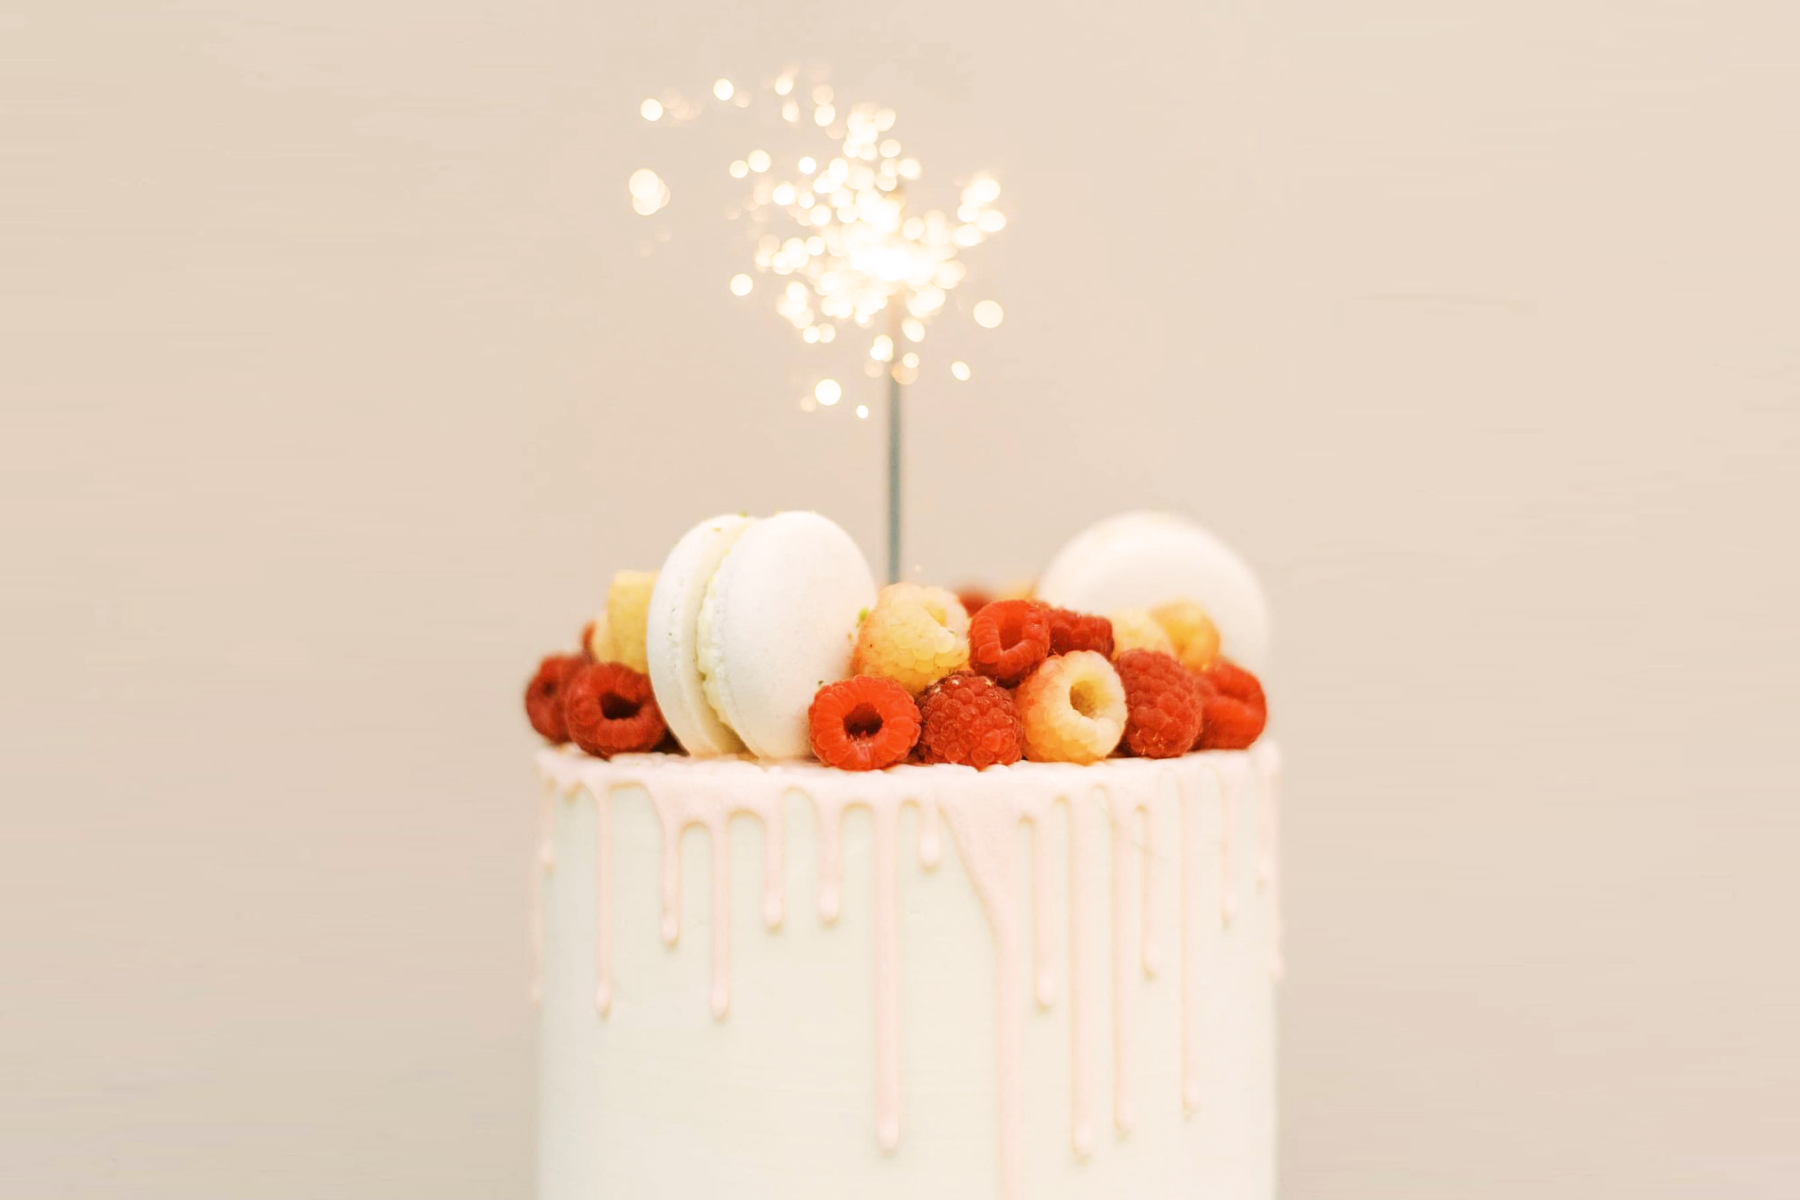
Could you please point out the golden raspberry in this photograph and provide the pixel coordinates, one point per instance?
(1135, 629)
(1192, 632)
(1073, 709)
(628, 617)
(915, 636)
(596, 639)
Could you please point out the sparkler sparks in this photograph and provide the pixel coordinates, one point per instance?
(837, 223)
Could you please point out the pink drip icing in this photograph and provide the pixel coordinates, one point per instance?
(1189, 799)
(1270, 861)
(1081, 1004)
(1124, 1111)
(603, 902)
(931, 845)
(985, 828)
(1043, 944)
(543, 861)
(1227, 892)
(887, 976)
(831, 860)
(1152, 943)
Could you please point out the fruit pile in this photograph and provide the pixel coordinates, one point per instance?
(936, 680)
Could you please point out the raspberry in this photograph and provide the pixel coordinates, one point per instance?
(609, 710)
(1073, 709)
(969, 720)
(1195, 637)
(1070, 630)
(627, 616)
(544, 695)
(863, 724)
(1008, 638)
(1164, 701)
(1135, 629)
(914, 635)
(1236, 710)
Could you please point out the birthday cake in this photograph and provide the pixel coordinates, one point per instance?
(893, 893)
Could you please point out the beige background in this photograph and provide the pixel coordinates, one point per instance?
(335, 385)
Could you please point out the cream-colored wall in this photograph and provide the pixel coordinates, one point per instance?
(334, 386)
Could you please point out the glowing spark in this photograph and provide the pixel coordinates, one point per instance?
(649, 194)
(862, 412)
(839, 217)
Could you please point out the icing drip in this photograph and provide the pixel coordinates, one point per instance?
(1269, 855)
(1227, 894)
(831, 860)
(1043, 945)
(931, 846)
(543, 861)
(1124, 1114)
(984, 812)
(986, 831)
(603, 902)
(887, 976)
(1081, 1005)
(1189, 799)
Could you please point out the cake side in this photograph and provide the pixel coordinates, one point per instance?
(1041, 981)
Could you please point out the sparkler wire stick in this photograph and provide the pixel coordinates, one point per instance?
(894, 456)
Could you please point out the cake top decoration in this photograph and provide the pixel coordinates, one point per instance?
(768, 637)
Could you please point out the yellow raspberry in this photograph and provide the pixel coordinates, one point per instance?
(915, 636)
(627, 616)
(1135, 629)
(1073, 708)
(1193, 633)
(599, 644)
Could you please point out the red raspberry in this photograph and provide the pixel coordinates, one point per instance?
(1235, 708)
(610, 710)
(1071, 630)
(544, 695)
(863, 724)
(1164, 704)
(1008, 638)
(970, 720)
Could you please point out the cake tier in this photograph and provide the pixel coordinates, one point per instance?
(785, 982)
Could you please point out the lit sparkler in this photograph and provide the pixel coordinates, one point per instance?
(845, 242)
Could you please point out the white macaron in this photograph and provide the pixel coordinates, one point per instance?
(778, 622)
(672, 642)
(1143, 559)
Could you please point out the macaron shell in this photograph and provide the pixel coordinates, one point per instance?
(1142, 559)
(672, 639)
(780, 622)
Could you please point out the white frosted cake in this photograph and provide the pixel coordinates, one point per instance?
(902, 959)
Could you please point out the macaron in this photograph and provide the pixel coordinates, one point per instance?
(1139, 560)
(777, 623)
(672, 638)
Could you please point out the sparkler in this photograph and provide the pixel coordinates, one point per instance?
(836, 224)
